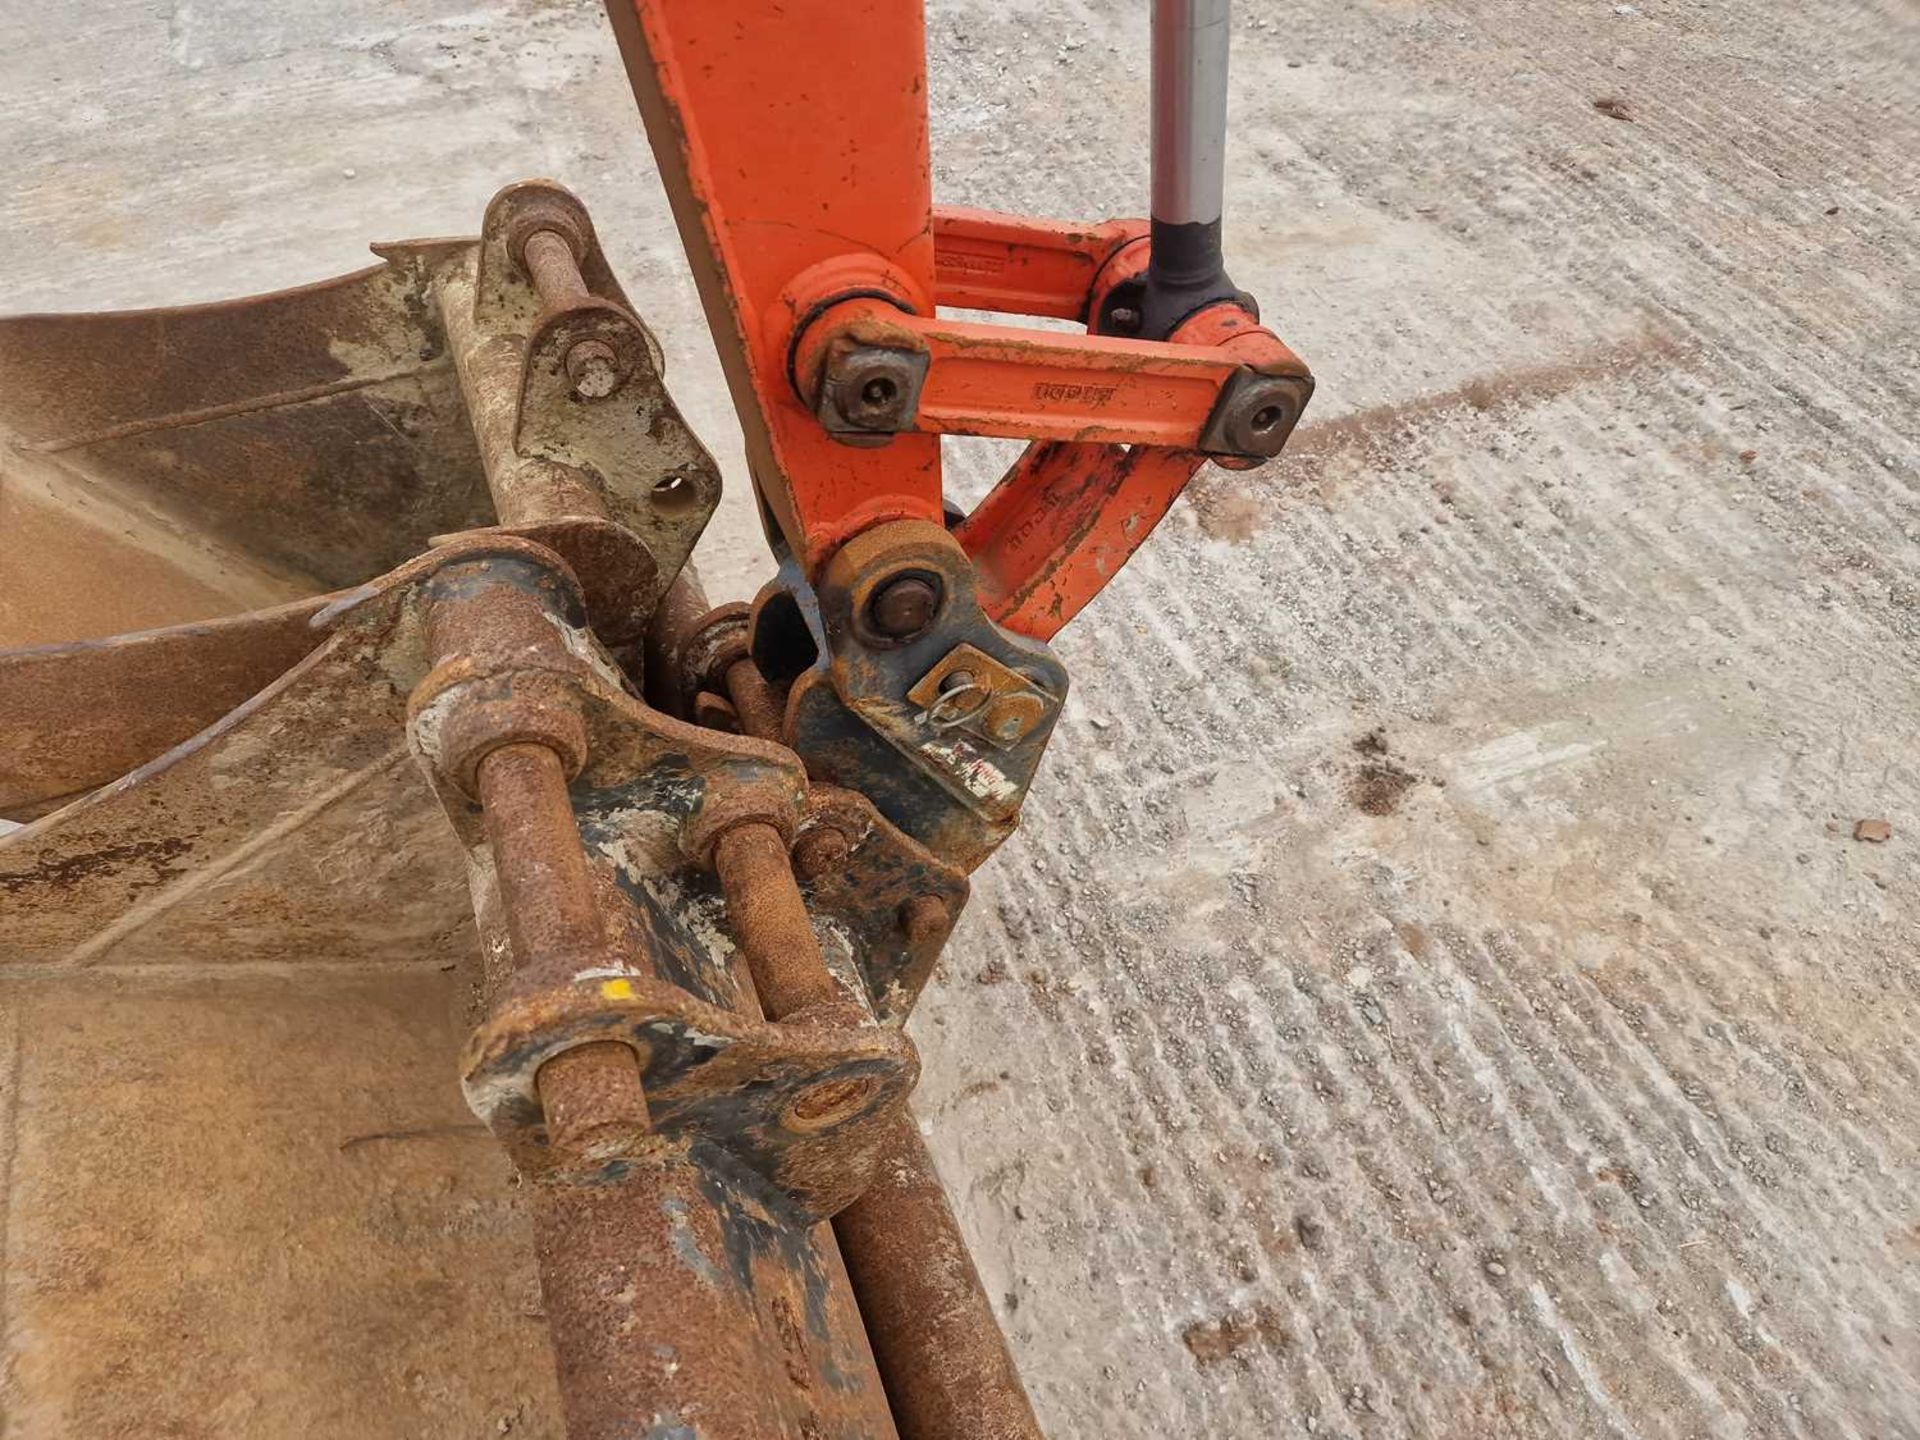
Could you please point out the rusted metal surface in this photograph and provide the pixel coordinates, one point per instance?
(769, 921)
(682, 1154)
(802, 1106)
(968, 691)
(320, 429)
(946, 1365)
(697, 1309)
(818, 852)
(617, 572)
(675, 622)
(326, 433)
(709, 650)
(550, 258)
(294, 825)
(554, 266)
(850, 717)
(546, 888)
(84, 560)
(593, 1105)
(891, 903)
(787, 1116)
(525, 337)
(884, 897)
(885, 903)
(75, 716)
(925, 920)
(754, 701)
(491, 368)
(697, 947)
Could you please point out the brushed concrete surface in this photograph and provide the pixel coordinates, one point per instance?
(1437, 991)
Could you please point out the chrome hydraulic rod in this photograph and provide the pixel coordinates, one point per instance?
(1190, 43)
(1186, 271)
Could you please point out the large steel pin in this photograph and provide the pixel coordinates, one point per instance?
(595, 1106)
(656, 1308)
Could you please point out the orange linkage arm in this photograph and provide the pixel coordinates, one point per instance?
(791, 137)
(1067, 516)
(983, 260)
(793, 140)
(1059, 526)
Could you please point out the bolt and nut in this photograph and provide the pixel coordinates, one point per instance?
(552, 261)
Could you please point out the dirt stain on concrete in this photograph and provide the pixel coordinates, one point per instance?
(1229, 508)
(1238, 1335)
(1380, 782)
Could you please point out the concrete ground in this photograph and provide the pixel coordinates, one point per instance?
(1437, 991)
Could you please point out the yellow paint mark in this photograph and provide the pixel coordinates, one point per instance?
(616, 990)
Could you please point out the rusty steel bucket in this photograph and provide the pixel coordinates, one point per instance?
(244, 1193)
(251, 548)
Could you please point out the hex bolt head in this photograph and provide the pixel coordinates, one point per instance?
(872, 386)
(903, 607)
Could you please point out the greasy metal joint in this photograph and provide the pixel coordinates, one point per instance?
(904, 605)
(867, 393)
(1255, 415)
